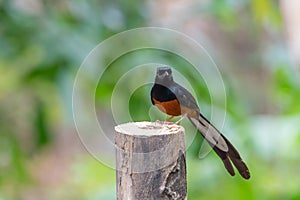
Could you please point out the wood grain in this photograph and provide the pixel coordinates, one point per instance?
(150, 161)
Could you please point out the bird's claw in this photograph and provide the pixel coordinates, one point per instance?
(164, 122)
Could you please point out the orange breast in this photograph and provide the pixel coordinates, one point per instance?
(170, 107)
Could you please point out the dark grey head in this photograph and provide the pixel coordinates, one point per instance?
(164, 75)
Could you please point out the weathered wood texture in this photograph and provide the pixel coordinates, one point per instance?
(150, 161)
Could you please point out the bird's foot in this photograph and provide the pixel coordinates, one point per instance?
(164, 122)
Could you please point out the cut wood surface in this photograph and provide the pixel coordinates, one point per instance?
(150, 161)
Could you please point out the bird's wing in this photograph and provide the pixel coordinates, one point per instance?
(184, 97)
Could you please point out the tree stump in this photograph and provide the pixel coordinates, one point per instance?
(150, 161)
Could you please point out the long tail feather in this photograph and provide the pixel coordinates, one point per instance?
(221, 145)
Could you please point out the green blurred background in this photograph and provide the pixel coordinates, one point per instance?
(43, 43)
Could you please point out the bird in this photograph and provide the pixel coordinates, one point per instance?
(174, 100)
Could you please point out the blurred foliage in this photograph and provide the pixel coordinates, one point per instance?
(267, 12)
(43, 43)
(285, 84)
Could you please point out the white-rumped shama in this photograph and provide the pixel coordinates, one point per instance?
(174, 100)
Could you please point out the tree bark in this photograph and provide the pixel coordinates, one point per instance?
(150, 161)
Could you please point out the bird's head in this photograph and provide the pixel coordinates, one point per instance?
(164, 75)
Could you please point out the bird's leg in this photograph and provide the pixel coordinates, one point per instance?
(169, 118)
(181, 118)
